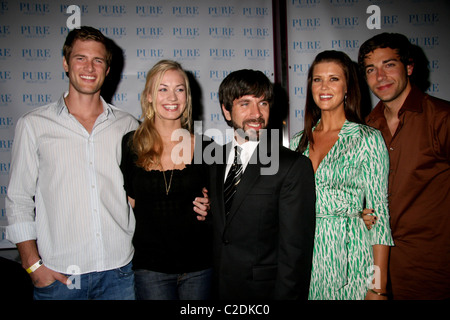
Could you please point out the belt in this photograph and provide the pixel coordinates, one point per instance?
(339, 250)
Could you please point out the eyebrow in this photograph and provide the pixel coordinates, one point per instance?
(330, 75)
(178, 85)
(384, 62)
(241, 100)
(85, 56)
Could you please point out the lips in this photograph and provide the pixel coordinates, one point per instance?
(170, 107)
(87, 77)
(255, 124)
(325, 96)
(384, 87)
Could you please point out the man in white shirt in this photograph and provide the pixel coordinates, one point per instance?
(66, 205)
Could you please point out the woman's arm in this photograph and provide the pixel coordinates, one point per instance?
(380, 261)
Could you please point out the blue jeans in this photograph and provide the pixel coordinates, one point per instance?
(151, 285)
(116, 284)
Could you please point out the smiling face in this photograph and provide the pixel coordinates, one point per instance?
(170, 100)
(328, 86)
(87, 68)
(387, 76)
(250, 114)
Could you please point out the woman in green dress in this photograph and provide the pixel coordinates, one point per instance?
(351, 165)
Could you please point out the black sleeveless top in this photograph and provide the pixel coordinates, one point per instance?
(168, 237)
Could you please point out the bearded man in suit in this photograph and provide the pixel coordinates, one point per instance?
(264, 220)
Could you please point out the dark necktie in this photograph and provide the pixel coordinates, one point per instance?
(232, 180)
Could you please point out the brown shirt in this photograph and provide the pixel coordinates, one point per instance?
(419, 196)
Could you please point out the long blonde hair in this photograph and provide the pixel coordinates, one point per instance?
(147, 142)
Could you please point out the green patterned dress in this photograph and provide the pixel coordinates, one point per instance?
(352, 176)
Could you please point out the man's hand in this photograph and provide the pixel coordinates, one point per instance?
(44, 276)
(202, 205)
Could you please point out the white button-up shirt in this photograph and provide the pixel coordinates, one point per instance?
(66, 189)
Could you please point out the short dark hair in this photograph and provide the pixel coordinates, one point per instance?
(244, 82)
(87, 33)
(395, 41)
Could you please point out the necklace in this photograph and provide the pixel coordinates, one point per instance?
(171, 176)
(170, 181)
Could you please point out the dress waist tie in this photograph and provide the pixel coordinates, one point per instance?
(339, 253)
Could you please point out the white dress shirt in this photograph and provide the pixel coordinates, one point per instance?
(247, 151)
(79, 215)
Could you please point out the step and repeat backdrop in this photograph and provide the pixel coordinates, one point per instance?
(317, 25)
(210, 38)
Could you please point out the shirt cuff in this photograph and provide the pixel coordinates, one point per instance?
(21, 232)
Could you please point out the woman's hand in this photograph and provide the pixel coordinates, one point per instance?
(368, 218)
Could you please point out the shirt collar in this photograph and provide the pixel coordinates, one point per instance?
(410, 104)
(248, 148)
(61, 106)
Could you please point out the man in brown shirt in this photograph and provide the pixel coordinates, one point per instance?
(415, 127)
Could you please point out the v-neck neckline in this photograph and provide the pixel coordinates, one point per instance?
(306, 153)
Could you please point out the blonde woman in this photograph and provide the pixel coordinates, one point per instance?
(162, 181)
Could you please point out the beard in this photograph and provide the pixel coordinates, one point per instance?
(250, 134)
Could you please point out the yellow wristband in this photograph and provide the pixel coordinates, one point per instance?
(34, 267)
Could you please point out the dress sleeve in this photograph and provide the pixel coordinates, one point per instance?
(376, 172)
(127, 164)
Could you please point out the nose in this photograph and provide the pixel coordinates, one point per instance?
(381, 74)
(90, 65)
(324, 84)
(255, 111)
(173, 95)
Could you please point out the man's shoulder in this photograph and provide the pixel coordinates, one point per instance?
(438, 104)
(45, 110)
(288, 157)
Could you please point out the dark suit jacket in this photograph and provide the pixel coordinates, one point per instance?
(263, 250)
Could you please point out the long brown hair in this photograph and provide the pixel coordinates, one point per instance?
(352, 104)
(147, 142)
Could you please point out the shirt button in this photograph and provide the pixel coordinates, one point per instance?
(391, 148)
